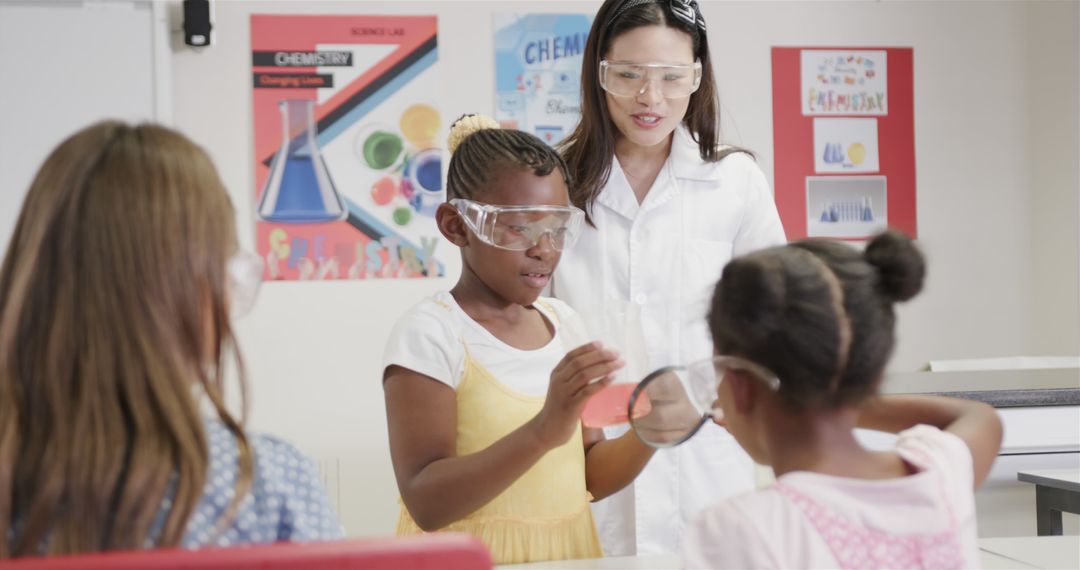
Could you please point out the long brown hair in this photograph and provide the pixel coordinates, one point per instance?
(590, 149)
(113, 325)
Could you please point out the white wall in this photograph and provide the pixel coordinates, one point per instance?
(1052, 135)
(51, 84)
(996, 159)
(995, 151)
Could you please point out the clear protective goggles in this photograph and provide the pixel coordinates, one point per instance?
(519, 228)
(670, 405)
(244, 272)
(629, 79)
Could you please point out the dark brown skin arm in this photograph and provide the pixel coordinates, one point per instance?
(611, 464)
(439, 487)
(976, 423)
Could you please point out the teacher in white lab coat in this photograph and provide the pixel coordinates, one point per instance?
(668, 206)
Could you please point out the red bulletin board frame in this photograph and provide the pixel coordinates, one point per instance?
(793, 139)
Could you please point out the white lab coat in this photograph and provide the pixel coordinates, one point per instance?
(666, 255)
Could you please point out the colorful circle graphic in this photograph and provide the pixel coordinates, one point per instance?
(420, 125)
(857, 153)
(382, 149)
(384, 190)
(402, 216)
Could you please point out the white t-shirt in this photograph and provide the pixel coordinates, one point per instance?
(768, 529)
(431, 338)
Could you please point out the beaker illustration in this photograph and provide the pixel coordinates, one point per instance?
(379, 147)
(382, 150)
(420, 124)
(384, 190)
(834, 154)
(299, 189)
(867, 210)
(425, 179)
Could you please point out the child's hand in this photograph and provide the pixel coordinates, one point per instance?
(572, 384)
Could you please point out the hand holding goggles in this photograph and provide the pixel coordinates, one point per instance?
(519, 228)
(671, 404)
(627, 79)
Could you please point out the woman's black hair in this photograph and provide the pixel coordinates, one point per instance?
(481, 151)
(818, 313)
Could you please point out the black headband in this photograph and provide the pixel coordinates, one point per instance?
(687, 11)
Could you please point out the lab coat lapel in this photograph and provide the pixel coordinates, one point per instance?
(619, 196)
(686, 160)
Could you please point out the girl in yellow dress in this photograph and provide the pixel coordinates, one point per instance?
(483, 402)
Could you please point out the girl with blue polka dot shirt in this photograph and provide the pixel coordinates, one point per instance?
(115, 301)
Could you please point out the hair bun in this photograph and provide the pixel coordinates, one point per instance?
(467, 125)
(900, 264)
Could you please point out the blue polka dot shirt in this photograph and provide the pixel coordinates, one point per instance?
(287, 500)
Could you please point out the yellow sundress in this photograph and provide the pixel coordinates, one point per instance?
(545, 514)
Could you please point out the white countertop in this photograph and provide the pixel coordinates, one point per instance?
(653, 562)
(1031, 552)
(1019, 552)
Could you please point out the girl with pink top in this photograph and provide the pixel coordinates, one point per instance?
(805, 331)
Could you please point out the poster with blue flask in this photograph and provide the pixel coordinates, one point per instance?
(349, 167)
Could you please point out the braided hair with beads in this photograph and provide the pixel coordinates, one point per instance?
(480, 148)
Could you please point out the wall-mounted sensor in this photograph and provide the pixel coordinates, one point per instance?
(198, 23)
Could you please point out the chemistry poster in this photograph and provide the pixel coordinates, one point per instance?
(348, 166)
(538, 72)
(844, 141)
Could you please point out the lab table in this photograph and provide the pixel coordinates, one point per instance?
(1056, 491)
(994, 553)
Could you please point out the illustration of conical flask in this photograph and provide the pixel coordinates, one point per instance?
(867, 210)
(299, 189)
(834, 153)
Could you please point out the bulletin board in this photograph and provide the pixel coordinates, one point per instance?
(844, 141)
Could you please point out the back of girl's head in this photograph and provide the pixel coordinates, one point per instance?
(112, 310)
(480, 149)
(589, 149)
(819, 314)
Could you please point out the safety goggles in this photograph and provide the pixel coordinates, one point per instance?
(519, 228)
(670, 405)
(628, 79)
(245, 271)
